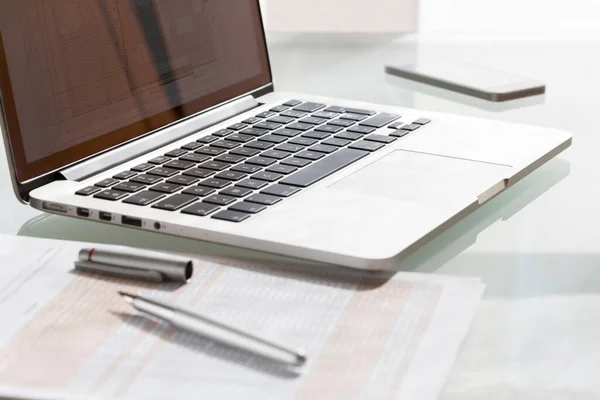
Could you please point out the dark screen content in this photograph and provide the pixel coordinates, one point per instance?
(82, 76)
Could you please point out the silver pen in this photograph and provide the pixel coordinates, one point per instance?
(214, 330)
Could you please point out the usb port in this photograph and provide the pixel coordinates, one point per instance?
(83, 212)
(105, 216)
(125, 220)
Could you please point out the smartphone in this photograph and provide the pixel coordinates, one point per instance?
(472, 80)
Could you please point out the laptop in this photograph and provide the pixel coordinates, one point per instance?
(163, 117)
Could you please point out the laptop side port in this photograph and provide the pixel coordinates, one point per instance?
(105, 216)
(125, 220)
(83, 212)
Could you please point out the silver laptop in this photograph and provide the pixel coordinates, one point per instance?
(162, 116)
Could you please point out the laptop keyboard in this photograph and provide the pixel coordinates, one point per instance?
(234, 173)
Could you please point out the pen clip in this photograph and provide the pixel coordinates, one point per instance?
(133, 273)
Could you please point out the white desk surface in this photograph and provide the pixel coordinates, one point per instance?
(537, 246)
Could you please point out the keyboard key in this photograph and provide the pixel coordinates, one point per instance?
(348, 136)
(262, 161)
(280, 190)
(280, 108)
(160, 160)
(216, 183)
(399, 133)
(166, 188)
(366, 145)
(265, 199)
(246, 207)
(310, 155)
(142, 167)
(220, 199)
(214, 165)
(226, 144)
(231, 175)
(124, 175)
(222, 133)
(341, 122)
(164, 172)
(106, 182)
(246, 168)
(194, 157)
(267, 176)
(294, 114)
(361, 129)
(238, 137)
(144, 198)
(316, 135)
(260, 145)
(175, 202)
(309, 107)
(200, 209)
(130, 187)
(292, 103)
(380, 120)
(312, 121)
(231, 216)
(325, 114)
(349, 110)
(199, 172)
(210, 151)
(273, 138)
(287, 132)
(411, 127)
(300, 127)
(191, 146)
(380, 138)
(234, 127)
(179, 164)
(175, 153)
(236, 191)
(396, 125)
(146, 179)
(291, 148)
(251, 184)
(303, 141)
(277, 154)
(230, 158)
(328, 128)
(254, 132)
(111, 195)
(88, 191)
(336, 142)
(201, 191)
(267, 125)
(207, 139)
(296, 162)
(322, 169)
(251, 120)
(353, 117)
(184, 180)
(245, 151)
(281, 169)
(281, 120)
(265, 114)
(323, 148)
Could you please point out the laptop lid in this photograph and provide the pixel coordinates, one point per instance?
(80, 77)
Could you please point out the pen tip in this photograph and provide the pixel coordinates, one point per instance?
(127, 297)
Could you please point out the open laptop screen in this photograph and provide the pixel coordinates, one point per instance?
(81, 76)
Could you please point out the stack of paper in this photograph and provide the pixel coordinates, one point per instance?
(365, 336)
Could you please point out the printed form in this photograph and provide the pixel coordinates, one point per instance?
(365, 337)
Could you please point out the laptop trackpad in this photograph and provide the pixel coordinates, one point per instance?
(415, 177)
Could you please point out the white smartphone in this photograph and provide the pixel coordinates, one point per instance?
(472, 80)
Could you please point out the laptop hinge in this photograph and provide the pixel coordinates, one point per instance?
(133, 149)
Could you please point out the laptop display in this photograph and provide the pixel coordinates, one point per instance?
(80, 77)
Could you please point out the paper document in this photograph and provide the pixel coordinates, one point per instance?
(365, 337)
